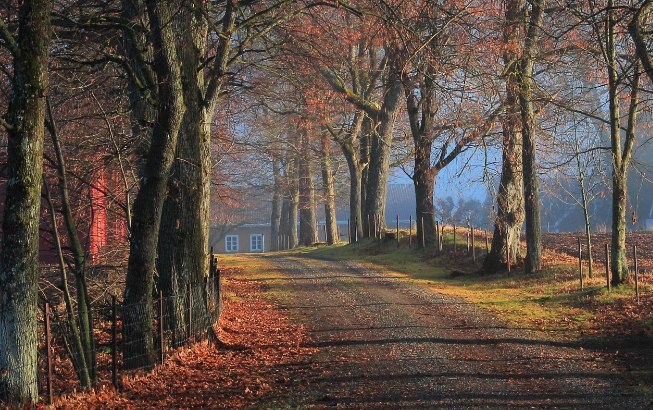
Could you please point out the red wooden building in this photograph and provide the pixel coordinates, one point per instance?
(100, 217)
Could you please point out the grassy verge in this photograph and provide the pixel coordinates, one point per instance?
(549, 300)
(258, 268)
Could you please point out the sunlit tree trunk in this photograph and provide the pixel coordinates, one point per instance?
(621, 154)
(277, 204)
(531, 182)
(379, 165)
(19, 263)
(307, 217)
(329, 193)
(293, 200)
(510, 200)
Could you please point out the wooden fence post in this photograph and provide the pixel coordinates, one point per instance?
(190, 312)
(636, 274)
(397, 230)
(580, 263)
(114, 342)
(349, 231)
(410, 231)
(423, 235)
(473, 245)
(162, 345)
(356, 229)
(607, 265)
(48, 347)
(454, 240)
(441, 238)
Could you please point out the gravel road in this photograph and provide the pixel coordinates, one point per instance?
(386, 342)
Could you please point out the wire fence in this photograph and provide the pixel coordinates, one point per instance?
(126, 338)
(469, 244)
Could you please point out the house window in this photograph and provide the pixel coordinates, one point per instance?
(256, 243)
(231, 243)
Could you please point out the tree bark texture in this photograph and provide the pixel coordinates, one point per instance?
(285, 215)
(293, 201)
(420, 116)
(138, 316)
(277, 204)
(381, 144)
(621, 153)
(529, 160)
(510, 200)
(19, 263)
(307, 218)
(183, 238)
(329, 193)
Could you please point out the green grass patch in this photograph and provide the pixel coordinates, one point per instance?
(550, 299)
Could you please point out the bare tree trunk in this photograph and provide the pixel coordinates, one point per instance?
(621, 155)
(307, 217)
(329, 193)
(293, 200)
(88, 374)
(531, 183)
(585, 205)
(424, 182)
(77, 349)
(588, 231)
(365, 146)
(19, 260)
(277, 203)
(379, 165)
(183, 242)
(138, 317)
(510, 200)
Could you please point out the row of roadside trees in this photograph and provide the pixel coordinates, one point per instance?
(157, 80)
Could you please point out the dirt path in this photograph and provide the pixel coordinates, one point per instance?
(384, 342)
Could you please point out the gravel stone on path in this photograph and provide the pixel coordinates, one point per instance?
(385, 342)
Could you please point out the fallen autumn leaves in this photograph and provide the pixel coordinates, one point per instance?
(251, 366)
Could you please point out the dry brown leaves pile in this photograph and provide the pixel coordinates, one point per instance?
(259, 344)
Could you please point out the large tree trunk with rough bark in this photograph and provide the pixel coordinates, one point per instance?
(618, 260)
(138, 315)
(424, 182)
(531, 182)
(183, 245)
(379, 165)
(420, 116)
(19, 263)
(364, 149)
(355, 199)
(510, 200)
